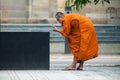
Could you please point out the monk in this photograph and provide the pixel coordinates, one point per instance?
(81, 36)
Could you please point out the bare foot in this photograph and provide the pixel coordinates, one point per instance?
(80, 67)
(70, 68)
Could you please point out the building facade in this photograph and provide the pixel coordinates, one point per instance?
(43, 11)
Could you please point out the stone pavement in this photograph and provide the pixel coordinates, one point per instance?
(59, 61)
(56, 75)
(105, 67)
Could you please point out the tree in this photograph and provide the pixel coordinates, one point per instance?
(78, 4)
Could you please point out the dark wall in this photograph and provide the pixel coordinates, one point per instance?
(24, 50)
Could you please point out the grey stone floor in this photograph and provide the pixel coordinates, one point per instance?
(90, 73)
(101, 68)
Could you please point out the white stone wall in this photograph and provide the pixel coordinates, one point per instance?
(22, 11)
(97, 13)
(13, 8)
(40, 9)
(61, 5)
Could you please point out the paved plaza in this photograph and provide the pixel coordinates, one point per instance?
(92, 73)
(102, 68)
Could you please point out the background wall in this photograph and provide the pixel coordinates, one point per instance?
(43, 11)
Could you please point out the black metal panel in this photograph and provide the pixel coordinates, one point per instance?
(24, 50)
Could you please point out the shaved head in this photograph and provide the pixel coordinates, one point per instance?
(59, 14)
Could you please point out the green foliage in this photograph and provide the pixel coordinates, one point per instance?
(96, 1)
(68, 2)
(78, 4)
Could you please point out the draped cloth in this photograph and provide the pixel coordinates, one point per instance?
(81, 35)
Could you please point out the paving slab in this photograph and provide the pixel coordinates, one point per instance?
(50, 75)
(104, 67)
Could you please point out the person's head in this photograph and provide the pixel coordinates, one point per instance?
(59, 16)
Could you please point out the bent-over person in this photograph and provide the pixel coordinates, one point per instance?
(80, 33)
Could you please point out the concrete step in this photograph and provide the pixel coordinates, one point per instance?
(105, 33)
(108, 41)
(107, 26)
(108, 33)
(108, 37)
(57, 39)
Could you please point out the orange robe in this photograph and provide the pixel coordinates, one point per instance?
(81, 35)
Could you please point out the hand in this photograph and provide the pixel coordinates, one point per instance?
(55, 29)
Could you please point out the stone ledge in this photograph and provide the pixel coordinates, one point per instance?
(30, 21)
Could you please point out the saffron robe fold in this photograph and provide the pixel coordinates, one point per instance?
(81, 35)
